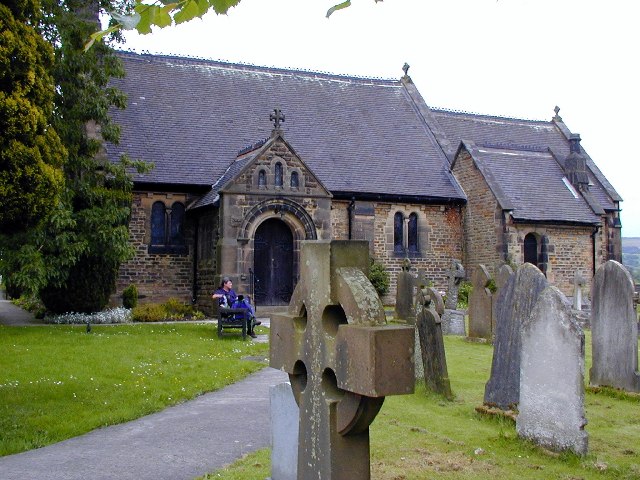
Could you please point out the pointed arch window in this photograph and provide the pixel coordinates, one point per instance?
(278, 175)
(167, 228)
(398, 232)
(531, 249)
(295, 181)
(412, 233)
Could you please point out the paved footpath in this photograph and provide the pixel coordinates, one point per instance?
(178, 443)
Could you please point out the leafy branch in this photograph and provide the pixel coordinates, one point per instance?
(164, 13)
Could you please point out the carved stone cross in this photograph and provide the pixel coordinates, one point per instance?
(456, 274)
(341, 358)
(276, 117)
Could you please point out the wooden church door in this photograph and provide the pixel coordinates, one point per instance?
(273, 263)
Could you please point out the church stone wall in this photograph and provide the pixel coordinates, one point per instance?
(158, 277)
(439, 233)
(482, 218)
(570, 250)
(207, 231)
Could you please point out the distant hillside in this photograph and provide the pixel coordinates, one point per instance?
(631, 256)
(631, 244)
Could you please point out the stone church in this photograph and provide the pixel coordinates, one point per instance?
(249, 161)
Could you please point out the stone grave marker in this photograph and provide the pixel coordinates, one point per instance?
(551, 409)
(514, 303)
(429, 307)
(578, 282)
(481, 305)
(405, 282)
(614, 329)
(284, 432)
(341, 358)
(453, 319)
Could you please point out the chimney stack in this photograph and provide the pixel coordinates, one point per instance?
(575, 165)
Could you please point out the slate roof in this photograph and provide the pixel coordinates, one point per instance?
(191, 117)
(518, 133)
(532, 184)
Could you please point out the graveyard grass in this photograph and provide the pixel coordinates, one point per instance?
(423, 436)
(57, 382)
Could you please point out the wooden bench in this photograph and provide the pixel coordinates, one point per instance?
(226, 319)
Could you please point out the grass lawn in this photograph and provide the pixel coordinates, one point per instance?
(422, 436)
(58, 382)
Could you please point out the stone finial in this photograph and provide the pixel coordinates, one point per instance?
(557, 117)
(277, 117)
(405, 69)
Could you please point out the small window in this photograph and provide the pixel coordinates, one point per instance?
(167, 229)
(412, 233)
(295, 183)
(278, 175)
(531, 249)
(398, 232)
(262, 179)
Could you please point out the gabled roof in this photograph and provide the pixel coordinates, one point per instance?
(521, 134)
(190, 117)
(530, 183)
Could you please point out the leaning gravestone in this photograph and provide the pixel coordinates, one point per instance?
(453, 319)
(429, 307)
(481, 305)
(404, 293)
(284, 432)
(614, 329)
(341, 358)
(551, 409)
(513, 304)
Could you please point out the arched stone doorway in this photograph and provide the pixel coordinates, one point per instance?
(273, 263)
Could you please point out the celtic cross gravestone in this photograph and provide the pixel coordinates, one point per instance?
(341, 358)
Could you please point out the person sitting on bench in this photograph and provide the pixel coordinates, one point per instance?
(227, 298)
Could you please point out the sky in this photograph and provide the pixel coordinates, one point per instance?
(514, 58)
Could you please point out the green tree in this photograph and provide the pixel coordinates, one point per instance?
(72, 258)
(31, 154)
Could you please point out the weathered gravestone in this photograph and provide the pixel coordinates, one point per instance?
(481, 305)
(513, 304)
(341, 358)
(453, 319)
(578, 282)
(404, 293)
(551, 409)
(429, 307)
(284, 432)
(503, 274)
(614, 329)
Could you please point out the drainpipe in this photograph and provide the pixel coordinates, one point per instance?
(194, 287)
(350, 209)
(593, 245)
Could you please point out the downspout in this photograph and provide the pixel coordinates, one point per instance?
(593, 246)
(350, 209)
(194, 287)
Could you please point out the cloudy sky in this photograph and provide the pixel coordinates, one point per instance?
(516, 58)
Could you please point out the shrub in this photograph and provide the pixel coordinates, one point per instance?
(172, 309)
(463, 294)
(31, 304)
(379, 277)
(130, 297)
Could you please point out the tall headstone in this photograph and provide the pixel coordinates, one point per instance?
(453, 319)
(429, 307)
(284, 432)
(514, 303)
(551, 409)
(404, 293)
(341, 358)
(578, 283)
(503, 273)
(481, 305)
(614, 329)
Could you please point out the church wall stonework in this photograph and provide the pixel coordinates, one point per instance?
(483, 231)
(157, 276)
